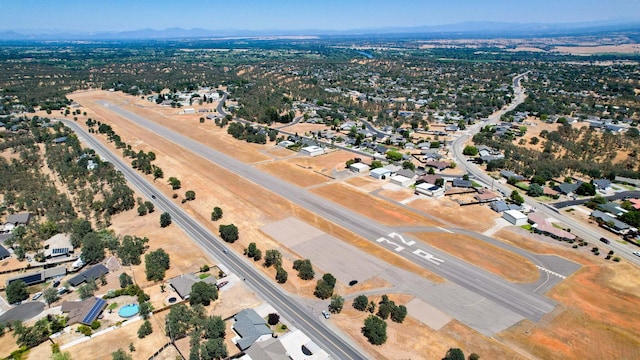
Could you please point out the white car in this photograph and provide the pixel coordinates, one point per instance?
(37, 295)
(636, 253)
(326, 314)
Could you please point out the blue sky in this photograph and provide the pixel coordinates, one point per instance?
(120, 15)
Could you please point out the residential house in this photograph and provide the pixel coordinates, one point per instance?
(60, 140)
(4, 253)
(461, 183)
(251, 328)
(547, 191)
(58, 245)
(440, 165)
(359, 167)
(612, 208)
(508, 174)
(502, 206)
(429, 190)
(609, 222)
(602, 184)
(183, 283)
(428, 179)
(567, 188)
(486, 195)
(83, 312)
(92, 273)
(393, 168)
(406, 173)
(635, 203)
(402, 181)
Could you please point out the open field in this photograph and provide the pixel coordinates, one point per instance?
(596, 318)
(398, 194)
(600, 49)
(365, 183)
(293, 172)
(376, 209)
(474, 217)
(402, 338)
(483, 255)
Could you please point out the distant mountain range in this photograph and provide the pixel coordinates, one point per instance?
(460, 29)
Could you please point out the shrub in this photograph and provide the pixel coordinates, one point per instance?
(95, 325)
(85, 330)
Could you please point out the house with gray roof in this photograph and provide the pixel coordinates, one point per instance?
(183, 283)
(251, 328)
(502, 206)
(4, 253)
(612, 208)
(602, 184)
(508, 174)
(19, 219)
(92, 273)
(567, 188)
(609, 222)
(406, 173)
(461, 183)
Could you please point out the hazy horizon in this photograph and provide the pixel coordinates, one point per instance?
(76, 16)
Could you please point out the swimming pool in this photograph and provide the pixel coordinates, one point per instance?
(128, 311)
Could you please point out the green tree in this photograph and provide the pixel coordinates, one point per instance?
(178, 321)
(376, 164)
(145, 309)
(213, 349)
(272, 257)
(337, 303)
(131, 249)
(216, 214)
(323, 290)
(86, 291)
(175, 183)
(149, 206)
(251, 250)
(142, 210)
(454, 354)
(360, 303)
(228, 233)
(214, 327)
(474, 356)
(329, 279)
(125, 280)
(16, 291)
(79, 228)
(375, 330)
(157, 173)
(281, 275)
(304, 268)
(535, 190)
(399, 313)
(516, 197)
(408, 165)
(156, 263)
(165, 219)
(203, 293)
(60, 355)
(145, 329)
(190, 195)
(50, 295)
(470, 150)
(92, 249)
(120, 355)
(586, 189)
(394, 155)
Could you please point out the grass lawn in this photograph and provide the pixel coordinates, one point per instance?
(523, 186)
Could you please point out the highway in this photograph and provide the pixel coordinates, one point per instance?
(516, 298)
(289, 308)
(576, 226)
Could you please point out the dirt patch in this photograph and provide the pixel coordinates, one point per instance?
(304, 128)
(596, 319)
(484, 255)
(397, 194)
(328, 163)
(414, 340)
(589, 50)
(280, 152)
(293, 172)
(373, 208)
(365, 183)
(473, 217)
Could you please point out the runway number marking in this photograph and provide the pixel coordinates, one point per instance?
(398, 248)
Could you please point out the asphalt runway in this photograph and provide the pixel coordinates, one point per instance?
(521, 301)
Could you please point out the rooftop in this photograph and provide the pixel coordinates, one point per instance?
(251, 327)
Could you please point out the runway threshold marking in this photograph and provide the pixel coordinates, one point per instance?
(551, 272)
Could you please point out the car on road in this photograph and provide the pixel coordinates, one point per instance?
(153, 196)
(605, 240)
(225, 251)
(326, 314)
(353, 282)
(636, 253)
(37, 295)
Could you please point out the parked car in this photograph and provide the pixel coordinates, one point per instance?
(56, 283)
(62, 290)
(221, 284)
(326, 314)
(37, 295)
